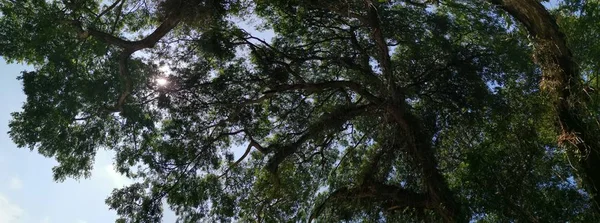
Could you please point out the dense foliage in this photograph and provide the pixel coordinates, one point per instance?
(360, 111)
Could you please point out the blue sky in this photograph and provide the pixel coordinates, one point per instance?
(28, 193)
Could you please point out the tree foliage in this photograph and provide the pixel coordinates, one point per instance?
(399, 111)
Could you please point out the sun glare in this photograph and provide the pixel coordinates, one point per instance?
(162, 81)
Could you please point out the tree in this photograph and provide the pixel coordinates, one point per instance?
(355, 111)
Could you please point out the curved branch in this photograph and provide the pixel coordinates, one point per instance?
(561, 79)
(252, 143)
(391, 197)
(149, 41)
(333, 120)
(129, 47)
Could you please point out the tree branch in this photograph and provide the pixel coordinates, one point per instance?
(129, 47)
(253, 143)
(384, 60)
(108, 9)
(391, 197)
(420, 149)
(316, 87)
(149, 41)
(330, 121)
(561, 79)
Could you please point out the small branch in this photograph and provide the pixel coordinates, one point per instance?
(316, 87)
(252, 143)
(346, 153)
(111, 7)
(119, 14)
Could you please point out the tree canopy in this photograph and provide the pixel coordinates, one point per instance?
(355, 110)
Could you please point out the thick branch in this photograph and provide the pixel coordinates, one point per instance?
(330, 121)
(420, 149)
(561, 80)
(419, 144)
(129, 47)
(391, 197)
(123, 73)
(382, 48)
(168, 24)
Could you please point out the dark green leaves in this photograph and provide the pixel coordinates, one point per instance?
(453, 127)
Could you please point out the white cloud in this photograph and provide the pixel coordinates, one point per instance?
(81, 221)
(9, 212)
(15, 183)
(115, 177)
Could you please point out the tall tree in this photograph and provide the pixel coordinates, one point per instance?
(354, 111)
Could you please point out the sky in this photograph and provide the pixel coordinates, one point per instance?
(27, 192)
